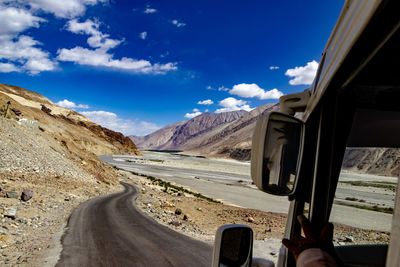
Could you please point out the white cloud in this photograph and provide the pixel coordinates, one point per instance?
(164, 55)
(223, 88)
(71, 105)
(253, 90)
(303, 75)
(209, 87)
(149, 10)
(143, 35)
(178, 24)
(97, 39)
(195, 113)
(232, 104)
(112, 121)
(206, 102)
(8, 67)
(63, 9)
(101, 57)
(14, 21)
(20, 52)
(24, 55)
(274, 67)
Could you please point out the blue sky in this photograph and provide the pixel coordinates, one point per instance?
(135, 66)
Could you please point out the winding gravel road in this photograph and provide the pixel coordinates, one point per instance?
(111, 231)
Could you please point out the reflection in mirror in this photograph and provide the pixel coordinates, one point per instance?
(233, 246)
(282, 145)
(277, 143)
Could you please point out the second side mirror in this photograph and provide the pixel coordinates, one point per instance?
(233, 246)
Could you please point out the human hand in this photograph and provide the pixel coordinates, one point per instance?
(323, 240)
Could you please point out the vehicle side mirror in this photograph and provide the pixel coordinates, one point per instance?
(275, 154)
(233, 246)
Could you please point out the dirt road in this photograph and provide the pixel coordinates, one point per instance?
(111, 231)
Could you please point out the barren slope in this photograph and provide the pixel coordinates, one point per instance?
(77, 137)
(177, 135)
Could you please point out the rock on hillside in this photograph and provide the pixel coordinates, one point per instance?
(373, 160)
(67, 132)
(158, 138)
(177, 135)
(234, 139)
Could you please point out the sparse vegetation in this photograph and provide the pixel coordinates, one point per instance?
(168, 187)
(366, 207)
(378, 184)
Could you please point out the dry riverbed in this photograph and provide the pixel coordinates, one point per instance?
(28, 237)
(200, 218)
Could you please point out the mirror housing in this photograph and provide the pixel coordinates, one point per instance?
(233, 246)
(276, 153)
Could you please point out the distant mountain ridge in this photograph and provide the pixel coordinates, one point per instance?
(222, 134)
(178, 135)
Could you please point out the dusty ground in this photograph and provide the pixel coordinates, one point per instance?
(200, 218)
(28, 238)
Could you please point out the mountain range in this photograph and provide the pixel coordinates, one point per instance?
(226, 134)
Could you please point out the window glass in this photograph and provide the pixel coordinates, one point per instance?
(364, 198)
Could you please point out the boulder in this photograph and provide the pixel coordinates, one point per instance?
(178, 211)
(10, 213)
(12, 194)
(26, 195)
(250, 219)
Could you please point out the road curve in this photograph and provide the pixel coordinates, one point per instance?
(111, 231)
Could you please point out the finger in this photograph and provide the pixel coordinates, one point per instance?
(326, 234)
(297, 239)
(289, 244)
(305, 224)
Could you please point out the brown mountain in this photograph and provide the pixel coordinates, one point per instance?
(78, 138)
(177, 136)
(221, 135)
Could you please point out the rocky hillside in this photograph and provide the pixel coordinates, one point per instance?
(48, 166)
(373, 160)
(159, 138)
(177, 136)
(67, 132)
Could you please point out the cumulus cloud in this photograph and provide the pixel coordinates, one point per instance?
(8, 67)
(62, 9)
(303, 75)
(71, 105)
(233, 104)
(21, 52)
(223, 88)
(178, 24)
(112, 121)
(100, 56)
(253, 90)
(143, 35)
(14, 21)
(149, 10)
(195, 113)
(206, 102)
(273, 67)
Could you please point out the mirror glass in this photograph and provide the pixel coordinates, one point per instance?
(282, 146)
(236, 247)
